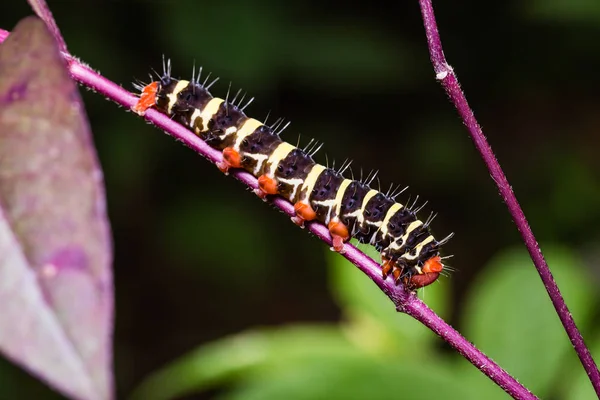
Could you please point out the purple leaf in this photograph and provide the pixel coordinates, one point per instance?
(56, 295)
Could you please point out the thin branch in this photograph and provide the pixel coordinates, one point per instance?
(404, 301)
(43, 11)
(445, 74)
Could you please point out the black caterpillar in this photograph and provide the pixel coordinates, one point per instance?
(348, 207)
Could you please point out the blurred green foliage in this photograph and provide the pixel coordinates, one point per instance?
(200, 263)
(376, 353)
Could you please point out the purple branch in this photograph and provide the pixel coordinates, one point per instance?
(446, 75)
(43, 11)
(404, 301)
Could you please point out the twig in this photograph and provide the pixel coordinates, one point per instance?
(43, 11)
(445, 74)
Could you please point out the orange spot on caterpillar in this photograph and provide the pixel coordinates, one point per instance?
(267, 185)
(431, 271)
(339, 234)
(147, 99)
(433, 265)
(389, 266)
(304, 212)
(386, 267)
(420, 280)
(232, 157)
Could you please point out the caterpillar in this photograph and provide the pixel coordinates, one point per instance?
(348, 207)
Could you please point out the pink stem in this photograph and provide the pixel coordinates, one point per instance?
(43, 11)
(445, 74)
(404, 301)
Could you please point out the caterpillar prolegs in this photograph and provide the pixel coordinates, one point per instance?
(348, 207)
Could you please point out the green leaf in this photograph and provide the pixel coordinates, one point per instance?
(374, 315)
(510, 317)
(227, 359)
(351, 377)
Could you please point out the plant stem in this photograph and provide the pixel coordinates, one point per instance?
(445, 74)
(43, 11)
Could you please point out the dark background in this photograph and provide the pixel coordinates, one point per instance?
(198, 257)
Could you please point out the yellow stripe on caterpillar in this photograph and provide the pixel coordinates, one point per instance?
(279, 154)
(175, 93)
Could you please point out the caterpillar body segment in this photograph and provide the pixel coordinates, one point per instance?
(349, 208)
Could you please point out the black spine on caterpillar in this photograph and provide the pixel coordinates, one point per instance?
(349, 208)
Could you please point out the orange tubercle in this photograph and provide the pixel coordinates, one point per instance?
(147, 99)
(420, 280)
(433, 265)
(391, 267)
(267, 184)
(232, 157)
(337, 228)
(304, 212)
(339, 234)
(386, 267)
